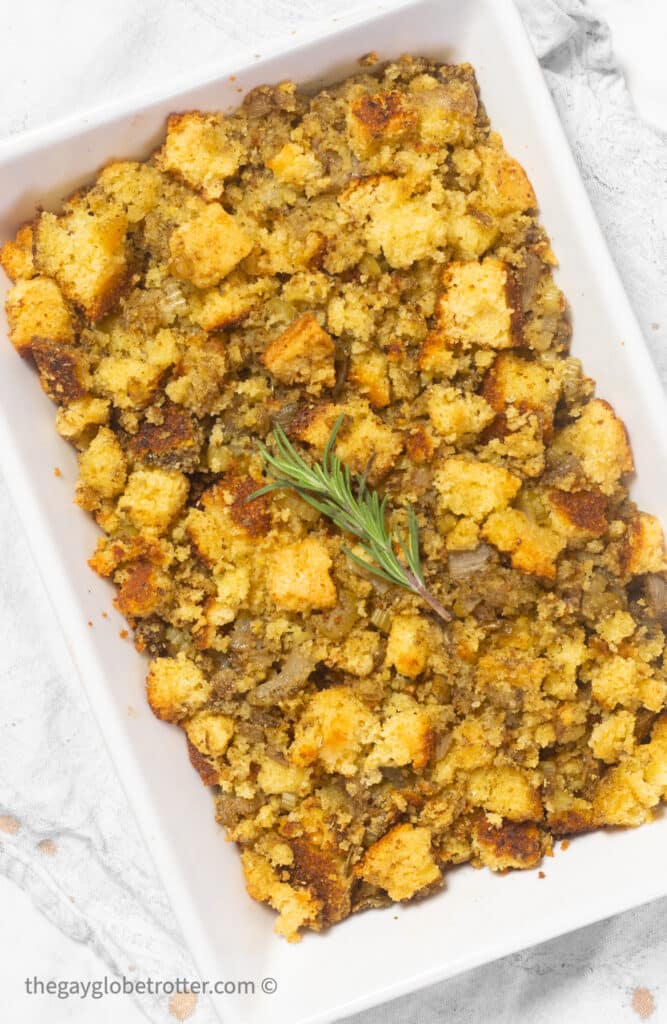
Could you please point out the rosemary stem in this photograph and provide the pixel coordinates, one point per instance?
(426, 595)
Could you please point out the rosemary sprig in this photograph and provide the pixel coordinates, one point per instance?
(346, 499)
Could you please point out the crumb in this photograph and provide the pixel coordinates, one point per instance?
(57, 471)
(540, 874)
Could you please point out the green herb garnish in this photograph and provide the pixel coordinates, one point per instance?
(346, 499)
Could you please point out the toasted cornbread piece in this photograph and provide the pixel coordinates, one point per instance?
(613, 737)
(505, 790)
(81, 416)
(407, 647)
(447, 110)
(16, 255)
(199, 149)
(599, 441)
(153, 497)
(294, 164)
(364, 443)
(228, 526)
(532, 548)
(401, 862)
(200, 375)
(368, 373)
(334, 728)
(406, 736)
(644, 546)
(210, 733)
(618, 680)
(455, 414)
(63, 369)
(469, 231)
(379, 120)
(207, 247)
(503, 187)
(299, 576)
(436, 357)
(528, 385)
(479, 305)
(276, 777)
(85, 251)
(616, 627)
(508, 844)
(296, 907)
(127, 381)
(36, 309)
(230, 302)
(474, 489)
(578, 514)
(176, 688)
(134, 187)
(402, 227)
(102, 469)
(303, 353)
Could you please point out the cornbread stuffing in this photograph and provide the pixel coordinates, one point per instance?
(370, 252)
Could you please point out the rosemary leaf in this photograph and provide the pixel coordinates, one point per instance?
(347, 500)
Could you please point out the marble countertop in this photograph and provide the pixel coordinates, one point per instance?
(78, 894)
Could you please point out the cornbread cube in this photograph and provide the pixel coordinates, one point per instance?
(143, 588)
(36, 309)
(510, 844)
(102, 469)
(401, 862)
(207, 247)
(63, 369)
(77, 419)
(474, 489)
(379, 119)
(447, 111)
(616, 627)
(134, 187)
(154, 497)
(85, 251)
(303, 353)
(618, 680)
(16, 255)
(200, 150)
(209, 732)
(276, 777)
(364, 442)
(520, 382)
(504, 186)
(368, 373)
(436, 357)
(455, 414)
(407, 646)
(127, 381)
(299, 576)
(228, 527)
(296, 907)
(532, 549)
(644, 546)
(469, 231)
(358, 654)
(230, 303)
(613, 737)
(505, 790)
(480, 304)
(578, 514)
(294, 164)
(333, 729)
(176, 688)
(173, 441)
(599, 441)
(406, 736)
(405, 228)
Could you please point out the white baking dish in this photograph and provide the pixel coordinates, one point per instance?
(380, 954)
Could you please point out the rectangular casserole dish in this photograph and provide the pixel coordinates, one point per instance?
(380, 954)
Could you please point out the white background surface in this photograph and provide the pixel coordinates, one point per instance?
(65, 56)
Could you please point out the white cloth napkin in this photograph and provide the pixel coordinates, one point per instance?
(67, 836)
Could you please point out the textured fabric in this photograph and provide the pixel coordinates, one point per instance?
(58, 792)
